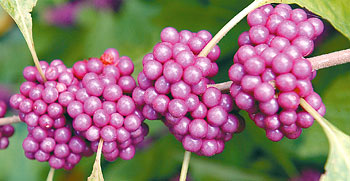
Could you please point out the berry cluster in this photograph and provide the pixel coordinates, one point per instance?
(6, 131)
(50, 134)
(270, 73)
(69, 113)
(98, 98)
(103, 107)
(173, 88)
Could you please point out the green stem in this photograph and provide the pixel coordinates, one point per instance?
(314, 114)
(36, 61)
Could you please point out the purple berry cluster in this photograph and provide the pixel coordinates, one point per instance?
(173, 88)
(42, 107)
(6, 131)
(270, 73)
(76, 107)
(103, 107)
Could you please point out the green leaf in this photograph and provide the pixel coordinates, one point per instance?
(338, 162)
(20, 12)
(335, 11)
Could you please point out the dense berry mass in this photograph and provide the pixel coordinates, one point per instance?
(173, 88)
(76, 107)
(270, 73)
(43, 107)
(104, 108)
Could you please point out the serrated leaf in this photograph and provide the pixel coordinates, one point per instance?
(20, 10)
(338, 162)
(335, 11)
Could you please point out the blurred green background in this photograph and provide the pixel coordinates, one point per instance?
(76, 30)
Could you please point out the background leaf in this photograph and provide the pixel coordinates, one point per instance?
(338, 162)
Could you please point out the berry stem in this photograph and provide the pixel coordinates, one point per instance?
(9, 120)
(313, 113)
(36, 61)
(318, 62)
(224, 30)
(96, 174)
(185, 164)
(50, 175)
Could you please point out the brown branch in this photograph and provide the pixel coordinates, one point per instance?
(330, 59)
(318, 62)
(9, 120)
(224, 86)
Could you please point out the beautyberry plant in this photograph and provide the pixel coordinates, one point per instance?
(97, 106)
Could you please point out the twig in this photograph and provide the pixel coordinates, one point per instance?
(185, 164)
(36, 61)
(96, 174)
(330, 59)
(318, 62)
(224, 86)
(50, 175)
(224, 30)
(9, 120)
